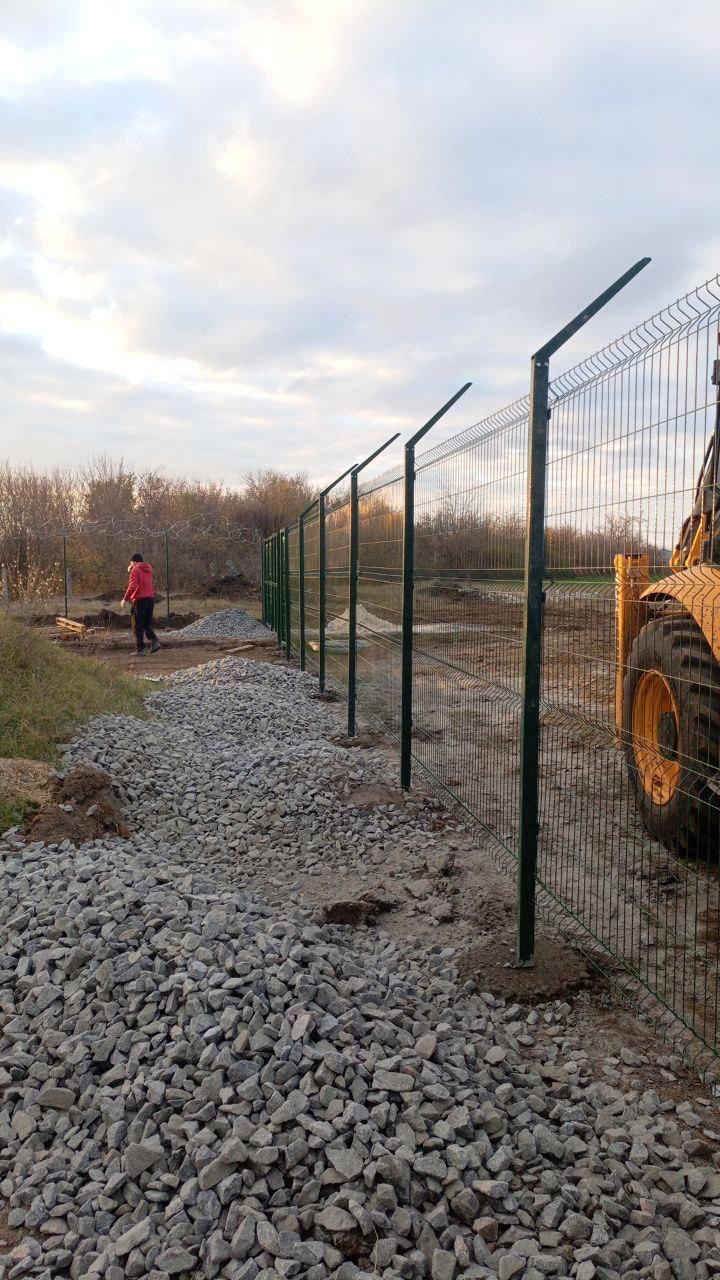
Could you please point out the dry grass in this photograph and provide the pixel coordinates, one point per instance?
(45, 693)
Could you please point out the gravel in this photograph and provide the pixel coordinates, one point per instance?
(225, 624)
(237, 765)
(197, 1082)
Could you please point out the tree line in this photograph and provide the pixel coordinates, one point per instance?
(107, 510)
(208, 530)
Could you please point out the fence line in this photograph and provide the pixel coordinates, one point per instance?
(55, 565)
(530, 610)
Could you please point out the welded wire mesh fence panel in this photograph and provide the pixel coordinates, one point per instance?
(282, 589)
(311, 578)
(268, 583)
(467, 632)
(337, 582)
(294, 588)
(629, 760)
(379, 606)
(630, 738)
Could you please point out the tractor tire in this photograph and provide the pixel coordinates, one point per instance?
(671, 735)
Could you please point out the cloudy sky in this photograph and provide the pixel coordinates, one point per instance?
(239, 233)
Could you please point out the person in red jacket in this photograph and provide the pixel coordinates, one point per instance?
(141, 595)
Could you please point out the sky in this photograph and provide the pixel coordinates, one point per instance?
(247, 233)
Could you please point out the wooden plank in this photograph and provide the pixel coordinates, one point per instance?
(69, 624)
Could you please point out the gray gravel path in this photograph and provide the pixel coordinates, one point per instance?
(195, 1082)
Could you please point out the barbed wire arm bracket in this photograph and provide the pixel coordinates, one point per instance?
(321, 568)
(539, 416)
(353, 582)
(408, 572)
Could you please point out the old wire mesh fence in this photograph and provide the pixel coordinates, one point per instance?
(423, 576)
(56, 569)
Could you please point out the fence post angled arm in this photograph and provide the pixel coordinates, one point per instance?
(322, 566)
(539, 415)
(353, 582)
(408, 571)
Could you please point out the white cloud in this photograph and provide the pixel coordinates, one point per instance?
(271, 229)
(299, 46)
(49, 184)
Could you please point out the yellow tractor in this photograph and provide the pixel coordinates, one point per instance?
(667, 699)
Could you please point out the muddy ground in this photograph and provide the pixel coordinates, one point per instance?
(118, 650)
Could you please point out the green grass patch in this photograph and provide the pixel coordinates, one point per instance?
(13, 812)
(46, 692)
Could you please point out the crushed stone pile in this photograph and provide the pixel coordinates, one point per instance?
(192, 1081)
(225, 624)
(236, 764)
(196, 1083)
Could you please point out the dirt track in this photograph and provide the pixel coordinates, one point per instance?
(118, 650)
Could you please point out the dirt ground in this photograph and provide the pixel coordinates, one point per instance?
(40, 612)
(118, 650)
(78, 806)
(187, 654)
(657, 914)
(458, 897)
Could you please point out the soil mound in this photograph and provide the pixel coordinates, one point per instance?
(360, 911)
(116, 621)
(107, 618)
(82, 806)
(230, 586)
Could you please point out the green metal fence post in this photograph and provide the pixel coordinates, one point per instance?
(321, 591)
(353, 584)
(65, 573)
(539, 417)
(281, 586)
(278, 587)
(167, 575)
(408, 573)
(322, 573)
(301, 557)
(352, 603)
(286, 566)
(272, 587)
(269, 581)
(262, 581)
(301, 588)
(268, 571)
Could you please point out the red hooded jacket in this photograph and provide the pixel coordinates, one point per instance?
(140, 585)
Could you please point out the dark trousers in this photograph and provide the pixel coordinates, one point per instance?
(142, 616)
